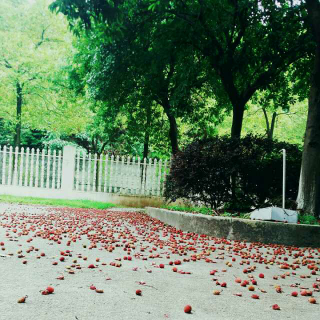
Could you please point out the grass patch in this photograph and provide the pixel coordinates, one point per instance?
(207, 211)
(86, 204)
(202, 210)
(308, 219)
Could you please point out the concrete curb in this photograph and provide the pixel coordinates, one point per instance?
(299, 235)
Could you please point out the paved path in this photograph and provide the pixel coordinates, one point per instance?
(35, 238)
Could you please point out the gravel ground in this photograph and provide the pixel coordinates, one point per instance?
(29, 231)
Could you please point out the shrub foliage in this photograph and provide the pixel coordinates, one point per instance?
(221, 172)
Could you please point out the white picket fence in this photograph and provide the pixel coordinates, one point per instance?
(90, 173)
(30, 168)
(125, 175)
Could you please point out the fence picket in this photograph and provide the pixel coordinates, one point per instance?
(43, 154)
(110, 177)
(138, 187)
(94, 185)
(4, 165)
(54, 170)
(48, 169)
(100, 173)
(117, 174)
(164, 174)
(143, 176)
(15, 167)
(159, 178)
(121, 175)
(26, 177)
(21, 167)
(153, 176)
(89, 173)
(37, 168)
(105, 173)
(10, 167)
(83, 170)
(127, 176)
(59, 169)
(32, 165)
(78, 170)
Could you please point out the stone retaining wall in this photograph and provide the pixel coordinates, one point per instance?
(240, 229)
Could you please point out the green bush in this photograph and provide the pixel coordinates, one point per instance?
(235, 174)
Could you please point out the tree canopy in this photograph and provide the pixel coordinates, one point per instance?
(245, 46)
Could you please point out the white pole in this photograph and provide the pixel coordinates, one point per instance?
(284, 179)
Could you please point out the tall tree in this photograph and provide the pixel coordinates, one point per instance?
(142, 67)
(34, 47)
(309, 188)
(248, 44)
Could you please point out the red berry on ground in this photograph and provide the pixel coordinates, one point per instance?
(187, 308)
(50, 290)
(312, 300)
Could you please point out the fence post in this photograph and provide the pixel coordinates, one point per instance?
(68, 166)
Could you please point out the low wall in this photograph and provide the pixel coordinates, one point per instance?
(241, 229)
(132, 201)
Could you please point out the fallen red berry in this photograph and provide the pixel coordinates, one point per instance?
(187, 309)
(50, 290)
(23, 299)
(99, 290)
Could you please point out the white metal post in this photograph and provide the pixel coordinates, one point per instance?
(284, 180)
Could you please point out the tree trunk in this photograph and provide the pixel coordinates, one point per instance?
(173, 131)
(17, 138)
(273, 123)
(270, 128)
(147, 134)
(237, 119)
(309, 186)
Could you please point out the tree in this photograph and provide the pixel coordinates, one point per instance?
(35, 46)
(142, 68)
(248, 44)
(309, 187)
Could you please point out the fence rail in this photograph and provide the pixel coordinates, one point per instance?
(89, 172)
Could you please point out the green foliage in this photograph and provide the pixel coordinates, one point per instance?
(232, 50)
(289, 126)
(308, 219)
(203, 210)
(35, 47)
